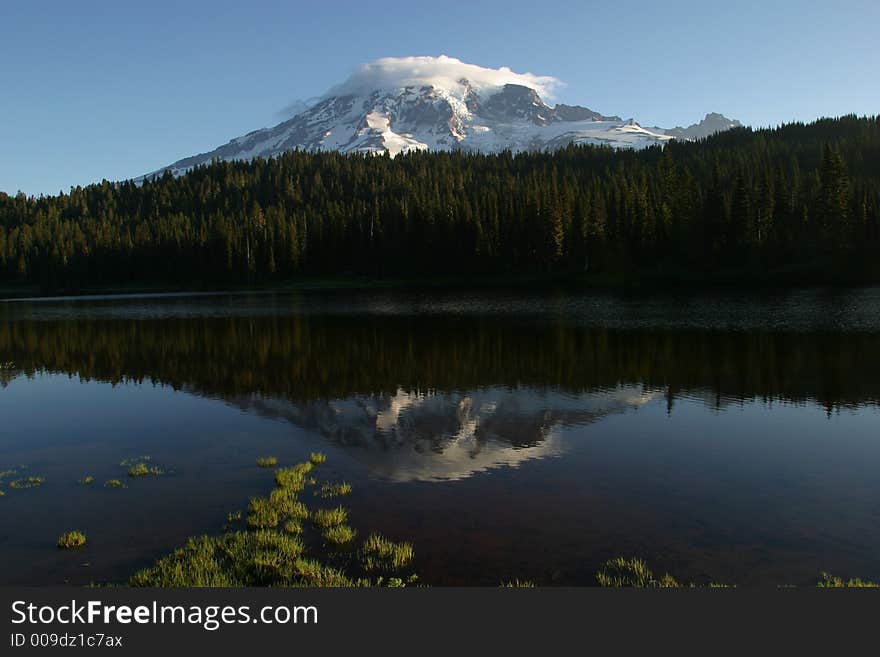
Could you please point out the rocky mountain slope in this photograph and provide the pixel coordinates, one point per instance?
(440, 103)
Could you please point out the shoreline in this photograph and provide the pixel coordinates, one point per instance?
(646, 281)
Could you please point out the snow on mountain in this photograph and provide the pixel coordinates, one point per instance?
(398, 105)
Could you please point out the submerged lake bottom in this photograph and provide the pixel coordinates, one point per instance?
(722, 437)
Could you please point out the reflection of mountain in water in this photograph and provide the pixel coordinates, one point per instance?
(414, 435)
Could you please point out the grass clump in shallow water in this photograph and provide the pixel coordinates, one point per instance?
(317, 458)
(143, 470)
(828, 581)
(127, 463)
(380, 554)
(27, 482)
(293, 527)
(88, 479)
(397, 582)
(284, 500)
(293, 478)
(330, 517)
(340, 534)
(258, 558)
(232, 519)
(336, 490)
(72, 539)
(518, 584)
(5, 474)
(276, 550)
(632, 573)
(267, 461)
(138, 470)
(262, 515)
(113, 483)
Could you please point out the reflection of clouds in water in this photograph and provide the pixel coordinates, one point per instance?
(429, 436)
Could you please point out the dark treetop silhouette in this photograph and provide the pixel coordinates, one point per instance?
(793, 203)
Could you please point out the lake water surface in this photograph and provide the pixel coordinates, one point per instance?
(727, 436)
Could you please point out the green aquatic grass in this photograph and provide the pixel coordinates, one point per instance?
(233, 516)
(262, 514)
(267, 461)
(397, 582)
(284, 500)
(143, 470)
(633, 573)
(312, 573)
(72, 539)
(275, 548)
(330, 517)
(287, 504)
(27, 482)
(282, 504)
(827, 581)
(317, 458)
(380, 554)
(88, 479)
(127, 463)
(11, 472)
(339, 535)
(293, 478)
(336, 490)
(113, 483)
(293, 527)
(260, 558)
(518, 584)
(138, 470)
(299, 511)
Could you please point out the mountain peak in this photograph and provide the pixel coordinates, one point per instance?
(402, 104)
(443, 72)
(713, 122)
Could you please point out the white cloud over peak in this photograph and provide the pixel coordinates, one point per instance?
(445, 72)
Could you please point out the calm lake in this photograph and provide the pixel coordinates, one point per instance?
(728, 436)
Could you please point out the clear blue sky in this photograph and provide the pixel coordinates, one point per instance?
(113, 89)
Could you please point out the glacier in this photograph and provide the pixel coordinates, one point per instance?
(401, 105)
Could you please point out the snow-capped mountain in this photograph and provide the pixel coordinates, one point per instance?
(397, 105)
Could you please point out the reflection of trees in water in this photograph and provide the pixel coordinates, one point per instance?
(8, 371)
(304, 358)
